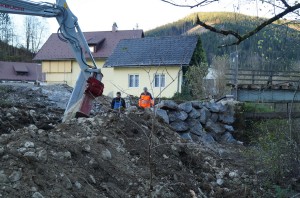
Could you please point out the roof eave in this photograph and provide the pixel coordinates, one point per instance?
(152, 65)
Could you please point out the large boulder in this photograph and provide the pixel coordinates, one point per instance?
(215, 128)
(194, 113)
(226, 118)
(197, 104)
(162, 114)
(214, 117)
(186, 107)
(204, 115)
(215, 107)
(229, 128)
(179, 126)
(177, 115)
(195, 138)
(228, 138)
(186, 136)
(223, 107)
(195, 126)
(208, 138)
(168, 105)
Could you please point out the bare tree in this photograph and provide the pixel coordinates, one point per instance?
(284, 7)
(220, 65)
(35, 28)
(6, 29)
(189, 4)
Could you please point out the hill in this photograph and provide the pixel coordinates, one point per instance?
(276, 47)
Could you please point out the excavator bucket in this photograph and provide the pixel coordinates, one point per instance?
(83, 106)
(94, 89)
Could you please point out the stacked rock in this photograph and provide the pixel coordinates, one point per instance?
(197, 120)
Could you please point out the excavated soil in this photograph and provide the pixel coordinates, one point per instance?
(110, 154)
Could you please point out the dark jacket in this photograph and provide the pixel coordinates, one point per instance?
(116, 104)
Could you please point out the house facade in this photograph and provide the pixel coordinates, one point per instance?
(58, 62)
(153, 62)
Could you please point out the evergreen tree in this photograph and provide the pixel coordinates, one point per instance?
(199, 54)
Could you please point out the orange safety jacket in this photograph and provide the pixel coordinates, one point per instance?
(146, 100)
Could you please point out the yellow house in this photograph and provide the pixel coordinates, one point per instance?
(60, 66)
(134, 62)
(153, 62)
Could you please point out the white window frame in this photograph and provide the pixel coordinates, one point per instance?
(136, 79)
(159, 80)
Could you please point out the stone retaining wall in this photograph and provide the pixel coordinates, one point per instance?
(200, 121)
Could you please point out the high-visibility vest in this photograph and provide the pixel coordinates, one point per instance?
(145, 101)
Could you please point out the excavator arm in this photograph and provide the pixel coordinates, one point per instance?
(88, 85)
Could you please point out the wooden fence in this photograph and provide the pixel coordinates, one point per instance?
(259, 79)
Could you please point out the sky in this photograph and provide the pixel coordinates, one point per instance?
(99, 15)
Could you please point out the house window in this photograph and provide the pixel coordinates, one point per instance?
(22, 73)
(134, 80)
(159, 80)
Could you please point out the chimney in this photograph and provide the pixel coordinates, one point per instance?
(114, 27)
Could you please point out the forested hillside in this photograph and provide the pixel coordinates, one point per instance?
(9, 40)
(277, 47)
(14, 54)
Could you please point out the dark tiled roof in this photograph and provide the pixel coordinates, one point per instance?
(55, 49)
(29, 71)
(20, 68)
(175, 50)
(95, 40)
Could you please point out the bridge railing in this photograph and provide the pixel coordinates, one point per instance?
(262, 77)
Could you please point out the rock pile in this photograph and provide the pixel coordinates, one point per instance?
(199, 121)
(24, 104)
(114, 154)
(107, 156)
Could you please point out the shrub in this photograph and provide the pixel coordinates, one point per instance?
(194, 81)
(282, 192)
(183, 96)
(275, 150)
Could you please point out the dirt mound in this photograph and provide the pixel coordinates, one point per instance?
(112, 154)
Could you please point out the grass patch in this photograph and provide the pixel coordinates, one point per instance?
(257, 107)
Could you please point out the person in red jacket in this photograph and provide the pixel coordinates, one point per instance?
(146, 100)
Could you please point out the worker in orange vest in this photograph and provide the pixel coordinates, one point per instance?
(146, 100)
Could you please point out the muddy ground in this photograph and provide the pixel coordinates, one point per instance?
(110, 154)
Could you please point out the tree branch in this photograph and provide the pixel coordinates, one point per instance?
(280, 7)
(198, 4)
(220, 31)
(285, 3)
(241, 38)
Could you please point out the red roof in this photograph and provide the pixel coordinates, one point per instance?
(55, 49)
(17, 71)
